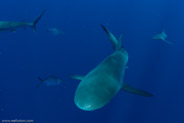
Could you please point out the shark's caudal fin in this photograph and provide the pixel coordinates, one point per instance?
(36, 20)
(116, 44)
(135, 91)
(41, 80)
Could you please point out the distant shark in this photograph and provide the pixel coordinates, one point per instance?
(50, 81)
(161, 36)
(12, 25)
(102, 83)
(56, 31)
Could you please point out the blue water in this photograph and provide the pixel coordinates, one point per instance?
(154, 65)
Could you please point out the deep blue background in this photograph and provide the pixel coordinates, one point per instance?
(153, 65)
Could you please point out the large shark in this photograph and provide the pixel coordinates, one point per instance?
(102, 83)
(12, 25)
(161, 36)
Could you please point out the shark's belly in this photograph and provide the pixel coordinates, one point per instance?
(96, 90)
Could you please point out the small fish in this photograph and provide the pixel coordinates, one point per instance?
(56, 31)
(162, 36)
(49, 81)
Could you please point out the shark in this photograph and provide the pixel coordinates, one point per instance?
(13, 25)
(103, 82)
(50, 81)
(56, 31)
(162, 36)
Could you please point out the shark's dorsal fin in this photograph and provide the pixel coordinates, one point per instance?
(136, 91)
(78, 77)
(118, 46)
(163, 33)
(120, 37)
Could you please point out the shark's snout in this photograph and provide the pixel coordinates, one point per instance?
(85, 106)
(89, 102)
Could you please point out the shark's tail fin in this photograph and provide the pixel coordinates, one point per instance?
(41, 80)
(116, 44)
(36, 20)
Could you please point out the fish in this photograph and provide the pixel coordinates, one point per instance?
(13, 25)
(103, 82)
(49, 81)
(56, 31)
(161, 36)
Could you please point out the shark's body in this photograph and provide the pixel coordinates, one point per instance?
(161, 36)
(13, 25)
(102, 83)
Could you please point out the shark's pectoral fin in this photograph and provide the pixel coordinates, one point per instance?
(78, 77)
(133, 90)
(167, 42)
